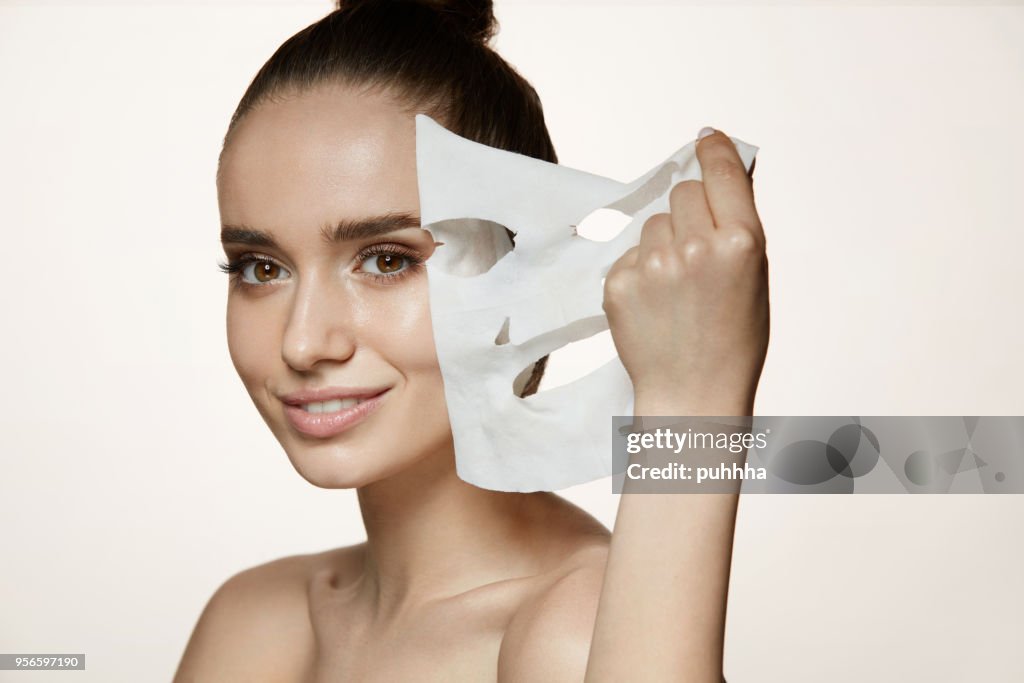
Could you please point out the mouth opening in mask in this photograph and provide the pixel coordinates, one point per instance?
(571, 362)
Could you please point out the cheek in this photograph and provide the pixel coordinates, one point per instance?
(397, 326)
(250, 343)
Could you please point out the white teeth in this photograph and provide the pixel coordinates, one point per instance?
(331, 406)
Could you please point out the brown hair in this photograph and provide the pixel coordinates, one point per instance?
(434, 56)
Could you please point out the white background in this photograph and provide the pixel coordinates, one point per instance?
(889, 182)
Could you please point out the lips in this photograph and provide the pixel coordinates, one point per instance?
(305, 396)
(324, 421)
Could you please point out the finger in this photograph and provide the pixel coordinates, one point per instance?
(727, 186)
(690, 211)
(657, 232)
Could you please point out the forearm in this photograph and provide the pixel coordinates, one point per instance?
(662, 611)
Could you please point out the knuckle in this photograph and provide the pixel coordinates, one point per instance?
(660, 262)
(656, 222)
(693, 248)
(742, 242)
(616, 287)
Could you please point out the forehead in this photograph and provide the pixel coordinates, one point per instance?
(316, 157)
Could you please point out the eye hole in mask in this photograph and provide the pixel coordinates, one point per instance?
(603, 225)
(471, 246)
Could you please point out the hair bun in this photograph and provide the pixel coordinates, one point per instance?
(473, 18)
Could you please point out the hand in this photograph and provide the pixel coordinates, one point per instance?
(688, 306)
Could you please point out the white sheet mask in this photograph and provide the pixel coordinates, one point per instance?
(497, 310)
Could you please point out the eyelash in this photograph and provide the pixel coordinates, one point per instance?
(236, 267)
(413, 261)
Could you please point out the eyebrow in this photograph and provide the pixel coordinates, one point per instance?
(341, 231)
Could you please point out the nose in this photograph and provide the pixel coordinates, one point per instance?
(319, 328)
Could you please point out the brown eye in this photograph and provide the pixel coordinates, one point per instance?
(266, 271)
(259, 271)
(389, 263)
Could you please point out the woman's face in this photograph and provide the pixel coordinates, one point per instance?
(348, 315)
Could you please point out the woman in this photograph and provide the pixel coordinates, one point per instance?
(328, 312)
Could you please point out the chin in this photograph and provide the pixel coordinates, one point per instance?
(333, 479)
(338, 467)
(332, 468)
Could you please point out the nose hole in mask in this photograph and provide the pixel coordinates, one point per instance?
(603, 225)
(569, 363)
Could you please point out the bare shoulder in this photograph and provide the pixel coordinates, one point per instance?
(549, 637)
(256, 625)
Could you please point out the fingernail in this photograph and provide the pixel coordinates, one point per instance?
(704, 132)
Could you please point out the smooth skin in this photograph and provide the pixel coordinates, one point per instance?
(457, 583)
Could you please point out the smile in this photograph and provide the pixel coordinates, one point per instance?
(325, 419)
(331, 406)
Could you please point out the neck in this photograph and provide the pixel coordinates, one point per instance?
(431, 535)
